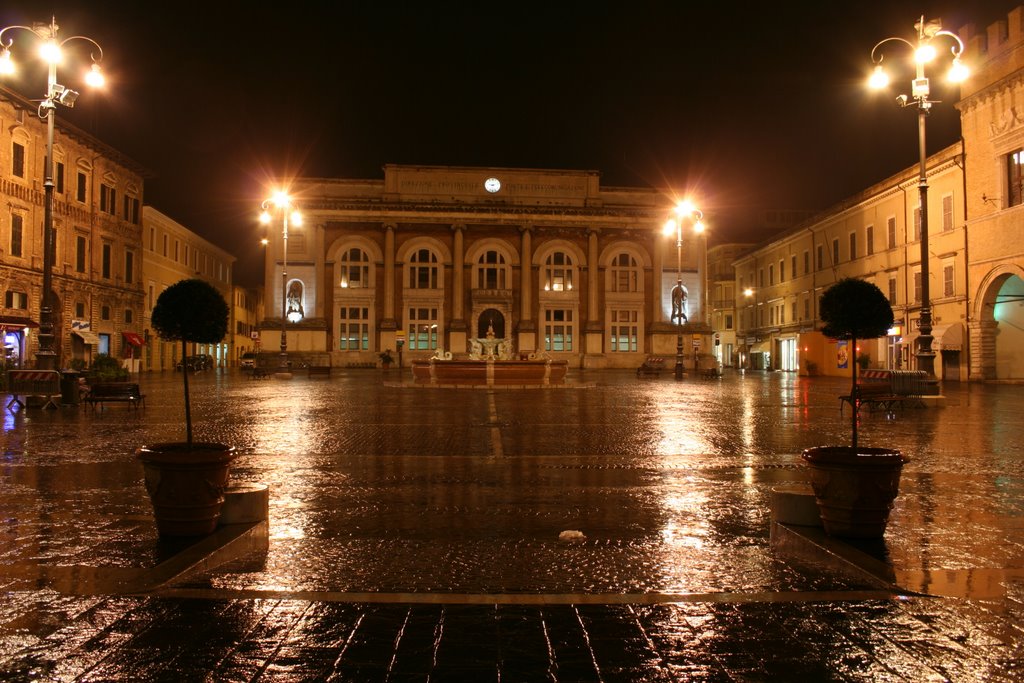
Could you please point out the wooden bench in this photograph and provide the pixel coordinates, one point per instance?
(115, 392)
(319, 370)
(653, 365)
(873, 395)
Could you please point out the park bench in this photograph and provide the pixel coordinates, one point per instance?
(652, 365)
(44, 384)
(115, 392)
(319, 370)
(873, 395)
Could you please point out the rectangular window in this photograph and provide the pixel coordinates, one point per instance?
(761, 282)
(129, 267)
(835, 252)
(807, 308)
(80, 251)
(869, 240)
(807, 263)
(917, 224)
(728, 321)
(106, 261)
(354, 330)
(558, 330)
(17, 234)
(792, 265)
(820, 258)
(624, 331)
(948, 285)
(947, 213)
(131, 210)
(79, 310)
(771, 274)
(165, 246)
(81, 190)
(59, 177)
(177, 251)
(18, 160)
(782, 271)
(108, 199)
(890, 232)
(1014, 179)
(917, 286)
(422, 333)
(16, 299)
(853, 246)
(792, 312)
(892, 291)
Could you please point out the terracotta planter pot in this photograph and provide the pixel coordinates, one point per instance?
(186, 485)
(855, 490)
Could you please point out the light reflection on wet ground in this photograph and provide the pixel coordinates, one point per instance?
(394, 488)
(413, 493)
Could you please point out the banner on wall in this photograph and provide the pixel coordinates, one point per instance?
(842, 354)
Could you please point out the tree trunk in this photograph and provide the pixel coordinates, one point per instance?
(853, 390)
(188, 407)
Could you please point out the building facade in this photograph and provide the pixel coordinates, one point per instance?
(874, 236)
(993, 133)
(173, 253)
(431, 257)
(246, 313)
(97, 281)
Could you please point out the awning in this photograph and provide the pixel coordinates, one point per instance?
(949, 337)
(909, 338)
(88, 336)
(760, 347)
(16, 323)
(133, 338)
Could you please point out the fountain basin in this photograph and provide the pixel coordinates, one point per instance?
(490, 372)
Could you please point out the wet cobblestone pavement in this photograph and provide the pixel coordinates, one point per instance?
(414, 536)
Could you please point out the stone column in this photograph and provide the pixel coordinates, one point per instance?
(389, 273)
(658, 268)
(457, 327)
(527, 331)
(593, 329)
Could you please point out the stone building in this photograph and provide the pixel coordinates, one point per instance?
(98, 195)
(428, 258)
(993, 132)
(173, 253)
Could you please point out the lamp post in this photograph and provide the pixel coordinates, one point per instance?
(280, 202)
(50, 50)
(684, 211)
(924, 51)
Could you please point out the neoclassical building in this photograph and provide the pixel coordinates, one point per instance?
(429, 257)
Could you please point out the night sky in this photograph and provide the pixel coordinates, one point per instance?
(742, 105)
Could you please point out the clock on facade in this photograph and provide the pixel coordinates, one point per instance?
(492, 185)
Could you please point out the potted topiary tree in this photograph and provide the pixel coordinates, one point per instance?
(186, 480)
(854, 486)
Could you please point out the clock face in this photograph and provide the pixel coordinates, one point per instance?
(492, 185)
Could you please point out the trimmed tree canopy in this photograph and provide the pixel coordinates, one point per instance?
(191, 310)
(855, 309)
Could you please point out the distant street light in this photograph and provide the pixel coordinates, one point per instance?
(685, 211)
(51, 52)
(280, 202)
(923, 51)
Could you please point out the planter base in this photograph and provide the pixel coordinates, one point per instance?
(186, 485)
(854, 490)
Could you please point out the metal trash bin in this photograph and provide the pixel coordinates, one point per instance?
(69, 392)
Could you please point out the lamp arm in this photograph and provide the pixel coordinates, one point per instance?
(88, 40)
(883, 42)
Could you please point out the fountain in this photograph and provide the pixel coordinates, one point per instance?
(490, 362)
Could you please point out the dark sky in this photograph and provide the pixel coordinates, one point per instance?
(740, 104)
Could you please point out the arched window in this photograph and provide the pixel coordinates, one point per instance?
(624, 274)
(491, 271)
(355, 268)
(423, 270)
(558, 272)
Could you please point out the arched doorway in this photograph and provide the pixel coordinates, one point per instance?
(492, 319)
(998, 334)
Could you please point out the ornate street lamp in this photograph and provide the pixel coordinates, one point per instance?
(50, 51)
(685, 211)
(924, 51)
(281, 203)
